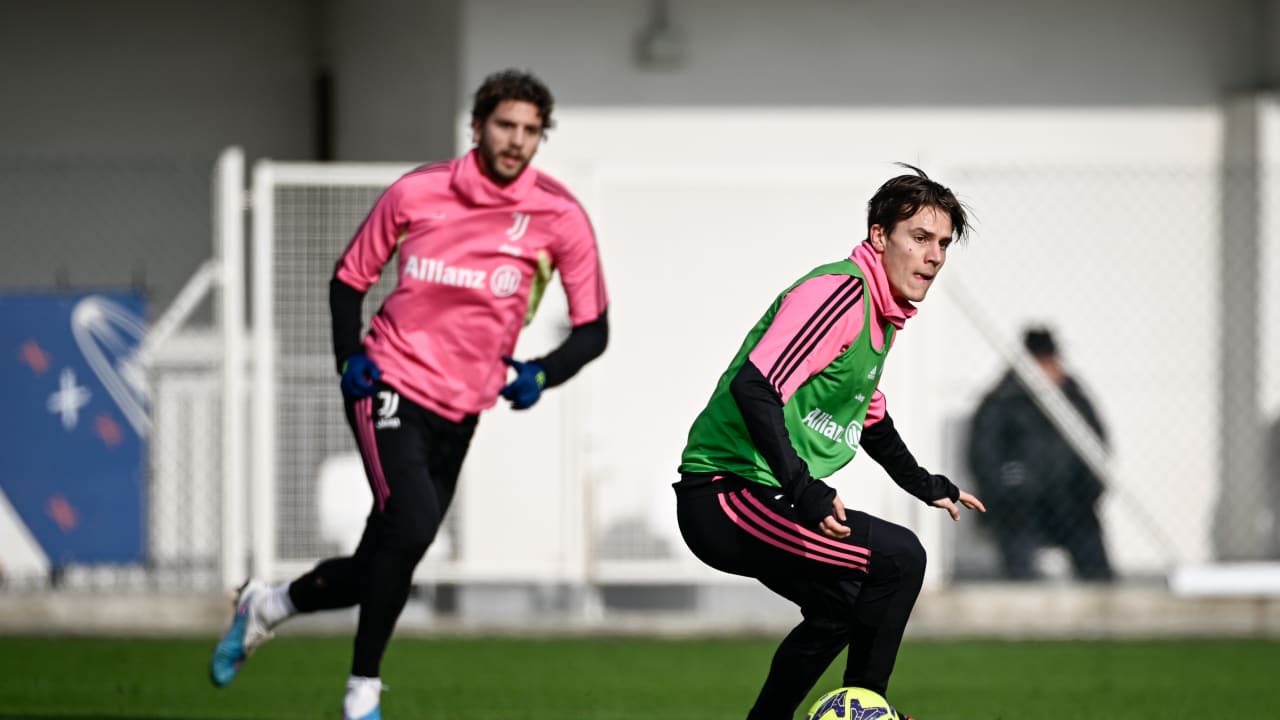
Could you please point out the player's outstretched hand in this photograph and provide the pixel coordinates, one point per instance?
(833, 524)
(966, 499)
(360, 376)
(527, 386)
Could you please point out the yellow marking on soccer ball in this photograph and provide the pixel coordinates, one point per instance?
(852, 703)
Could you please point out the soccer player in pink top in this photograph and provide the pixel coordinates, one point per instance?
(474, 240)
(798, 400)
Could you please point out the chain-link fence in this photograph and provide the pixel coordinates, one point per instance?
(1150, 280)
(313, 224)
(1157, 283)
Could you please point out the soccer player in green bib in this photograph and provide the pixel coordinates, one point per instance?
(794, 406)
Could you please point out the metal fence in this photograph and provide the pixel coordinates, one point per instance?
(1158, 291)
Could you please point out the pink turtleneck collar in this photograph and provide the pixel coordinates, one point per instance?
(894, 310)
(473, 186)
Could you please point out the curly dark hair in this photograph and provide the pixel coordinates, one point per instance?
(903, 196)
(512, 84)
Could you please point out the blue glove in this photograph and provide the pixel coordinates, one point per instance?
(525, 390)
(360, 376)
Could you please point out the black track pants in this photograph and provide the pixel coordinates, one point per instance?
(857, 592)
(412, 458)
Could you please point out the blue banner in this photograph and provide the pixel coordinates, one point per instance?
(74, 425)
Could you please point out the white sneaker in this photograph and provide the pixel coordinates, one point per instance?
(363, 700)
(246, 633)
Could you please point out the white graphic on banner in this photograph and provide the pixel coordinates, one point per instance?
(68, 399)
(109, 336)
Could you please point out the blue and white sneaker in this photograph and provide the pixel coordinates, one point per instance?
(363, 700)
(246, 633)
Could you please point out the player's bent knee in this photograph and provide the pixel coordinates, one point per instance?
(914, 558)
(905, 549)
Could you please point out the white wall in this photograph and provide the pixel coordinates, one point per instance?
(708, 213)
(1269, 362)
(1270, 256)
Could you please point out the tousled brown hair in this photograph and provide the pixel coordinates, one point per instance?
(903, 196)
(512, 84)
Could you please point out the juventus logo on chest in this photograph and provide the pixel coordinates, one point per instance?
(519, 226)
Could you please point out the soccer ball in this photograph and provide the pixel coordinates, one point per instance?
(852, 703)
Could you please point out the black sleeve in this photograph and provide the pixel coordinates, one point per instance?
(585, 343)
(761, 408)
(883, 443)
(344, 309)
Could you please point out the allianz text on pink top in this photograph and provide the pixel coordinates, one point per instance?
(467, 254)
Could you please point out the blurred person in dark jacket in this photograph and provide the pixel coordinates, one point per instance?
(1039, 491)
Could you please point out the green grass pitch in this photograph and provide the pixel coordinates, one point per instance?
(630, 679)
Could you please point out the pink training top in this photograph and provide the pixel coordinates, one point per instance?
(466, 254)
(814, 297)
